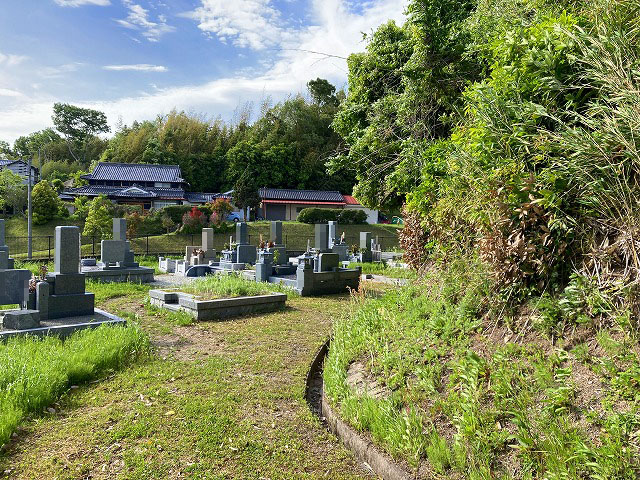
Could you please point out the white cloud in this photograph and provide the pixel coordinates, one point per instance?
(7, 92)
(139, 67)
(10, 60)
(245, 23)
(333, 29)
(79, 3)
(138, 19)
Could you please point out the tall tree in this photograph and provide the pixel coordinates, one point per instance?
(78, 125)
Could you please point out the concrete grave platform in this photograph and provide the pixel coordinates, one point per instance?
(119, 275)
(64, 327)
(218, 309)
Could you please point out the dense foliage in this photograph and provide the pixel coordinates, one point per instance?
(324, 215)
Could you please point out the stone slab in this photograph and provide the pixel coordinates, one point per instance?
(327, 262)
(66, 326)
(3, 241)
(61, 306)
(247, 253)
(120, 229)
(242, 236)
(14, 286)
(21, 320)
(276, 232)
(333, 227)
(67, 250)
(66, 283)
(4, 260)
(322, 237)
(120, 275)
(114, 251)
(207, 239)
(43, 291)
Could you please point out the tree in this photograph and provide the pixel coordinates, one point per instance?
(245, 192)
(322, 92)
(99, 221)
(45, 203)
(13, 193)
(220, 209)
(5, 149)
(79, 126)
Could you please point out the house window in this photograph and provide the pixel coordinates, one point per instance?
(162, 185)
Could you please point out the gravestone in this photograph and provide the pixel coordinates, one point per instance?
(67, 296)
(120, 229)
(332, 233)
(276, 233)
(3, 246)
(242, 237)
(14, 286)
(4, 260)
(365, 247)
(245, 253)
(327, 262)
(117, 252)
(322, 237)
(207, 244)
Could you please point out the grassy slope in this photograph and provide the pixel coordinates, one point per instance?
(459, 396)
(17, 227)
(220, 400)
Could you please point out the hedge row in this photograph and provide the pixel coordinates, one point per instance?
(323, 215)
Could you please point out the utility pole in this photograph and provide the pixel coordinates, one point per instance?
(29, 213)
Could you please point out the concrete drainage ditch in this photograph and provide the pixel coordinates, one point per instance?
(364, 451)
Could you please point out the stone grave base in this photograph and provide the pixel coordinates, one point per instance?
(63, 327)
(219, 309)
(119, 275)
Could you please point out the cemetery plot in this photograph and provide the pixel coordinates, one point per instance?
(219, 297)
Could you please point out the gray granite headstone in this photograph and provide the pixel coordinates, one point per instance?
(2, 232)
(67, 256)
(327, 262)
(42, 299)
(120, 229)
(14, 287)
(332, 233)
(4, 260)
(21, 320)
(207, 239)
(365, 241)
(276, 232)
(322, 236)
(114, 251)
(242, 237)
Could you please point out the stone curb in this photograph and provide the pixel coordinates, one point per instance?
(364, 450)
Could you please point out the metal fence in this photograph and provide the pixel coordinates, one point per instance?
(43, 246)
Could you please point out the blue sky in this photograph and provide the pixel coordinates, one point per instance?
(135, 59)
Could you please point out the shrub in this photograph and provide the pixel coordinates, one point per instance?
(45, 203)
(352, 217)
(100, 218)
(323, 215)
(176, 212)
(193, 221)
(219, 210)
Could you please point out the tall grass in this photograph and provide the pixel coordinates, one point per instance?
(35, 372)
(232, 285)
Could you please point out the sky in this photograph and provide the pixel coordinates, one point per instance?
(136, 59)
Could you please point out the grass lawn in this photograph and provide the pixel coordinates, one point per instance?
(383, 269)
(218, 400)
(229, 286)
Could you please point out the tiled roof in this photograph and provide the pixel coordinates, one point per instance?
(4, 161)
(126, 192)
(136, 172)
(350, 200)
(200, 197)
(300, 195)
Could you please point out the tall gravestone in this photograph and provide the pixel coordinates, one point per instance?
(365, 246)
(3, 246)
(245, 253)
(116, 253)
(322, 237)
(67, 296)
(332, 233)
(276, 233)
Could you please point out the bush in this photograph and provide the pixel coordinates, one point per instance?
(324, 215)
(352, 217)
(100, 218)
(193, 221)
(176, 212)
(45, 203)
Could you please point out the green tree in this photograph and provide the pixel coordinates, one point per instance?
(45, 203)
(245, 192)
(79, 126)
(5, 149)
(99, 221)
(323, 92)
(13, 193)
